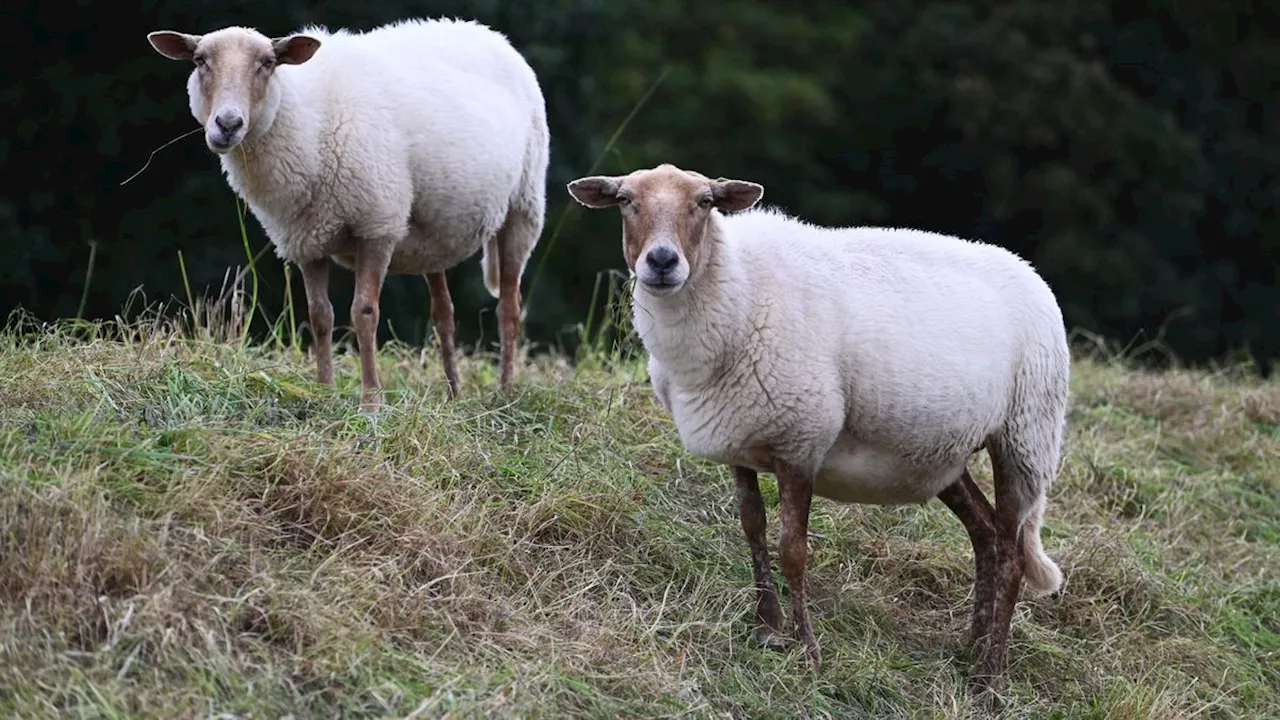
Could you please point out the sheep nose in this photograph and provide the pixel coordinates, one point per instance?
(662, 258)
(229, 122)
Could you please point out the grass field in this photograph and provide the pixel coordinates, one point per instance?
(194, 528)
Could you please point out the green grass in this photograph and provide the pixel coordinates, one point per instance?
(193, 527)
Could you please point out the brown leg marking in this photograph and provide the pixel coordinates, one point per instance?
(315, 279)
(370, 269)
(967, 501)
(795, 491)
(751, 513)
(1006, 582)
(442, 318)
(508, 310)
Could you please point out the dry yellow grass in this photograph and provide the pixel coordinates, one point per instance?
(196, 529)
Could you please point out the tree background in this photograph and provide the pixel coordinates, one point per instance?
(1128, 149)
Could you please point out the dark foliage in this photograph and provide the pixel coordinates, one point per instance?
(1128, 150)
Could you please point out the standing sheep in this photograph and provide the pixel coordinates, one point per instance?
(402, 150)
(864, 365)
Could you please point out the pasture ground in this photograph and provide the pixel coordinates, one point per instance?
(191, 527)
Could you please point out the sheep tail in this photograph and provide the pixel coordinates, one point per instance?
(490, 261)
(1040, 571)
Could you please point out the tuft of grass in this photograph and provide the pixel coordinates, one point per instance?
(191, 526)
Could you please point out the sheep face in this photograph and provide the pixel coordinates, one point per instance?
(665, 215)
(234, 66)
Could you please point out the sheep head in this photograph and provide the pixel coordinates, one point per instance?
(234, 66)
(665, 215)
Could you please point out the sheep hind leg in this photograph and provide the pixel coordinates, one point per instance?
(1013, 498)
(768, 630)
(442, 318)
(966, 500)
(371, 262)
(315, 280)
(1006, 583)
(795, 491)
(515, 241)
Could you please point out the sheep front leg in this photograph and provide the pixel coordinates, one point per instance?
(442, 318)
(371, 263)
(966, 500)
(795, 491)
(751, 512)
(315, 280)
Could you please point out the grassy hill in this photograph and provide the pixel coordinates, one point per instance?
(195, 528)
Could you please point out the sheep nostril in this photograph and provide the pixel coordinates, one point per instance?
(229, 123)
(662, 259)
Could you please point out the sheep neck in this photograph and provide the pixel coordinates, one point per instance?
(694, 333)
(284, 139)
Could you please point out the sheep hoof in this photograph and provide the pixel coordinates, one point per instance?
(986, 690)
(771, 639)
(986, 683)
(812, 656)
(371, 400)
(372, 406)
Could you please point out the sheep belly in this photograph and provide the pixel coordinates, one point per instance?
(856, 472)
(418, 253)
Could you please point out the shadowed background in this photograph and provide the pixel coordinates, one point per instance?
(1127, 149)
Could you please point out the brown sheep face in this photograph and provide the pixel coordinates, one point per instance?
(665, 215)
(229, 89)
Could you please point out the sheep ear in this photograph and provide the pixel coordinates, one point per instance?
(295, 49)
(596, 191)
(174, 45)
(735, 195)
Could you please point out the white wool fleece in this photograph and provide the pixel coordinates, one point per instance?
(422, 133)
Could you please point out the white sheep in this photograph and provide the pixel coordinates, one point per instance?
(401, 150)
(865, 365)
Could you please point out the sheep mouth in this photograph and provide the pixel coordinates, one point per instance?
(661, 286)
(221, 143)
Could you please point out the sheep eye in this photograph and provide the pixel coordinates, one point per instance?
(704, 201)
(200, 61)
(267, 62)
(623, 201)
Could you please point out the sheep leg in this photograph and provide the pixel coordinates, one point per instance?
(1006, 581)
(442, 318)
(508, 326)
(967, 501)
(371, 264)
(795, 490)
(510, 266)
(751, 513)
(315, 280)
